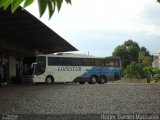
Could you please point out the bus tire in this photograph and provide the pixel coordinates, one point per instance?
(49, 79)
(82, 82)
(102, 80)
(93, 79)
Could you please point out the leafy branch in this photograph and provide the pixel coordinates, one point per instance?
(43, 5)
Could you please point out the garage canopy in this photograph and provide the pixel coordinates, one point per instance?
(22, 33)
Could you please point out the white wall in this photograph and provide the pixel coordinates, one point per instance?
(156, 60)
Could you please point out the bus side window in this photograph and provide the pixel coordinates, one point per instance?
(77, 61)
(65, 61)
(99, 62)
(53, 61)
(71, 62)
(109, 62)
(87, 62)
(116, 63)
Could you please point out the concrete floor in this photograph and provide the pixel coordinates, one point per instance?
(75, 99)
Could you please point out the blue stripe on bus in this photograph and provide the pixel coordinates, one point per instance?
(107, 71)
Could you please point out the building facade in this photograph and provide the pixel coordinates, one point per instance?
(156, 59)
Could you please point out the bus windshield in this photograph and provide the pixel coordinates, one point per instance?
(39, 68)
(34, 65)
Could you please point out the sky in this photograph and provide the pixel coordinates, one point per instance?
(99, 26)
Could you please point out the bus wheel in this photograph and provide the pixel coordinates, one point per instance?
(102, 80)
(82, 82)
(49, 80)
(93, 80)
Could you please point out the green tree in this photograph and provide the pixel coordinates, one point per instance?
(143, 49)
(128, 52)
(154, 72)
(133, 70)
(144, 58)
(131, 52)
(43, 5)
(121, 51)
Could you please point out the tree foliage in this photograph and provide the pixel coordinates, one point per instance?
(131, 52)
(144, 59)
(128, 52)
(154, 72)
(133, 70)
(133, 59)
(43, 5)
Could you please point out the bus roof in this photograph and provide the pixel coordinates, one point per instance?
(113, 57)
(73, 55)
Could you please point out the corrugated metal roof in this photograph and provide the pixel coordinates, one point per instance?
(22, 33)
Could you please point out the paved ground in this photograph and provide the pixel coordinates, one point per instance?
(110, 98)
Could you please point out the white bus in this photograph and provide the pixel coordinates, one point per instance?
(67, 67)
